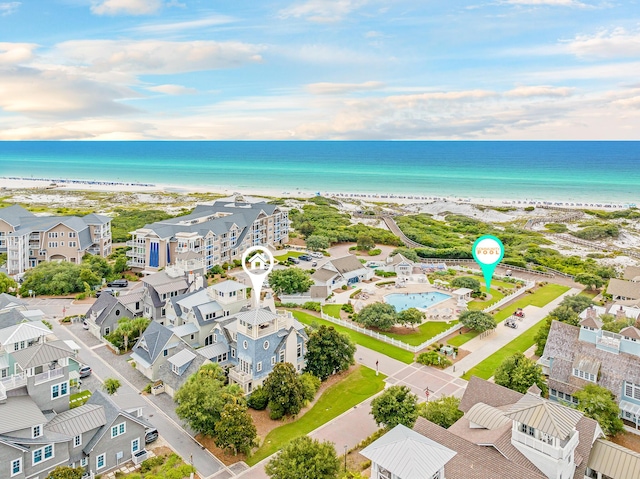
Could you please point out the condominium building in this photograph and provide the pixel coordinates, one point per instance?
(29, 239)
(216, 234)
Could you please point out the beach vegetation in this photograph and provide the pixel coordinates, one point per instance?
(53, 278)
(305, 457)
(556, 227)
(519, 373)
(627, 213)
(290, 281)
(127, 220)
(396, 405)
(442, 411)
(317, 242)
(597, 232)
(329, 352)
(408, 253)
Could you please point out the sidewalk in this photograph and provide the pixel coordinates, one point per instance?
(482, 348)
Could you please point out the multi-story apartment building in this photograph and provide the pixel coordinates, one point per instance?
(29, 239)
(216, 234)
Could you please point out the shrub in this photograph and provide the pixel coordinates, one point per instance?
(375, 252)
(152, 462)
(147, 389)
(344, 287)
(81, 296)
(432, 358)
(311, 306)
(258, 399)
(355, 293)
(310, 385)
(276, 410)
(347, 308)
(530, 208)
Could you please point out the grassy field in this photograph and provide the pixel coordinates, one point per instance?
(332, 310)
(423, 332)
(359, 338)
(358, 385)
(541, 297)
(284, 257)
(484, 369)
(495, 294)
(78, 399)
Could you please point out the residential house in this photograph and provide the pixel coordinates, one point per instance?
(153, 348)
(102, 316)
(624, 290)
(29, 239)
(400, 265)
(8, 302)
(16, 337)
(159, 288)
(345, 271)
(631, 273)
(217, 234)
(179, 367)
(504, 435)
(576, 356)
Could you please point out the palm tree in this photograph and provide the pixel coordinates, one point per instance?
(111, 385)
(125, 326)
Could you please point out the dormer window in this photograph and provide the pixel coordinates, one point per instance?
(36, 431)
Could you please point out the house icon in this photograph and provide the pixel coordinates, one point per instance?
(259, 262)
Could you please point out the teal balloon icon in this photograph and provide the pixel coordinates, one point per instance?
(488, 251)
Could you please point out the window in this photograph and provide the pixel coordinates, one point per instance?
(282, 356)
(77, 441)
(222, 357)
(118, 429)
(165, 352)
(63, 389)
(233, 352)
(37, 456)
(42, 454)
(632, 390)
(299, 350)
(273, 360)
(61, 243)
(245, 345)
(266, 345)
(48, 451)
(16, 466)
(584, 375)
(383, 473)
(107, 331)
(259, 366)
(83, 462)
(72, 234)
(55, 391)
(175, 369)
(100, 461)
(37, 431)
(72, 244)
(135, 445)
(53, 244)
(53, 234)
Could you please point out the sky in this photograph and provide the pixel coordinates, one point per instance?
(320, 69)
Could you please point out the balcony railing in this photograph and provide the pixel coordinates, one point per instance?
(555, 452)
(239, 377)
(14, 382)
(48, 375)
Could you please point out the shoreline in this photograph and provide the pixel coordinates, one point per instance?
(70, 184)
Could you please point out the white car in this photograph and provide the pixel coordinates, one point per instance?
(315, 254)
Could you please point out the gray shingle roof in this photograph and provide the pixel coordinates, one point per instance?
(156, 337)
(9, 301)
(78, 420)
(19, 412)
(94, 219)
(41, 354)
(175, 381)
(347, 264)
(14, 214)
(624, 289)
(11, 317)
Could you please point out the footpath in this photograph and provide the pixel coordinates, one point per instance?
(483, 347)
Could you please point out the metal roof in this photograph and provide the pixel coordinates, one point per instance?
(213, 350)
(614, 461)
(256, 316)
(175, 285)
(408, 454)
(210, 307)
(181, 358)
(19, 412)
(23, 332)
(40, 354)
(487, 416)
(587, 364)
(185, 329)
(78, 420)
(553, 419)
(228, 286)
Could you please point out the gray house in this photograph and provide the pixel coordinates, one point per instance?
(178, 368)
(159, 288)
(103, 315)
(153, 348)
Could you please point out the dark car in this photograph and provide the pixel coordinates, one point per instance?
(305, 257)
(118, 283)
(112, 292)
(150, 435)
(85, 371)
(293, 260)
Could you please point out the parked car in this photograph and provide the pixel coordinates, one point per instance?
(294, 260)
(118, 283)
(317, 255)
(112, 292)
(314, 264)
(511, 323)
(305, 257)
(85, 371)
(519, 313)
(85, 325)
(150, 435)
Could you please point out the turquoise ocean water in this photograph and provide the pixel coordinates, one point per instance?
(567, 171)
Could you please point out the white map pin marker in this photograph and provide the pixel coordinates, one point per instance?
(261, 263)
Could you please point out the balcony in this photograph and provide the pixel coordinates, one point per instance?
(608, 341)
(14, 382)
(48, 375)
(239, 377)
(559, 452)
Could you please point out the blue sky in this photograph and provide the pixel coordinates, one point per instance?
(319, 69)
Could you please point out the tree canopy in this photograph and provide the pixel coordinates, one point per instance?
(396, 405)
(127, 332)
(410, 316)
(66, 472)
(600, 404)
(317, 242)
(365, 242)
(235, 429)
(590, 280)
(6, 283)
(111, 385)
(477, 320)
(290, 281)
(519, 373)
(284, 390)
(442, 411)
(202, 398)
(466, 282)
(304, 458)
(377, 315)
(328, 352)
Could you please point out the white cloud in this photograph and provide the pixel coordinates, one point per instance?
(181, 26)
(553, 3)
(7, 8)
(326, 88)
(159, 57)
(606, 44)
(126, 7)
(543, 90)
(322, 11)
(15, 53)
(173, 89)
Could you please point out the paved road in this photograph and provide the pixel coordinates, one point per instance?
(206, 464)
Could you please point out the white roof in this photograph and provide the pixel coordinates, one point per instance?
(33, 313)
(23, 332)
(256, 316)
(228, 286)
(184, 330)
(600, 310)
(213, 350)
(196, 299)
(462, 291)
(183, 357)
(72, 344)
(211, 307)
(408, 454)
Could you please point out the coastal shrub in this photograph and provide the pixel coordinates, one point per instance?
(529, 208)
(597, 232)
(347, 308)
(311, 306)
(81, 296)
(556, 227)
(127, 220)
(52, 278)
(152, 462)
(375, 252)
(432, 358)
(258, 399)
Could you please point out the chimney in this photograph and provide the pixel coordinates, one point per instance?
(199, 281)
(191, 277)
(591, 312)
(620, 314)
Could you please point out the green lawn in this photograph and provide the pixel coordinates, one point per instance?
(495, 294)
(359, 338)
(284, 257)
(332, 310)
(485, 369)
(358, 385)
(542, 296)
(78, 399)
(423, 332)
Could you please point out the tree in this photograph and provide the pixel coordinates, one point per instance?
(411, 316)
(577, 303)
(202, 398)
(310, 385)
(290, 281)
(304, 458)
(377, 315)
(600, 404)
(590, 280)
(328, 352)
(66, 472)
(235, 429)
(396, 405)
(111, 385)
(365, 242)
(519, 373)
(317, 242)
(466, 282)
(477, 320)
(6, 283)
(120, 265)
(286, 394)
(566, 312)
(408, 253)
(442, 411)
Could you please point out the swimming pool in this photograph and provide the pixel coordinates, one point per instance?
(402, 301)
